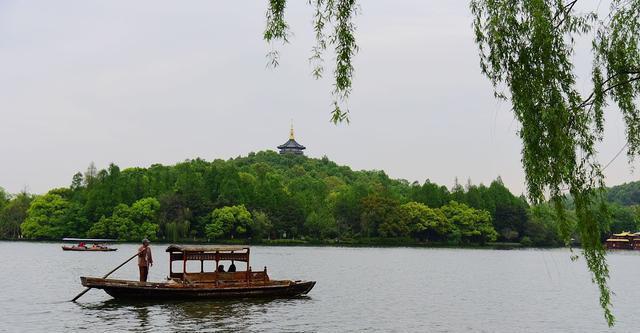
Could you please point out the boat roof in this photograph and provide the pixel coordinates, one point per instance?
(100, 240)
(617, 240)
(206, 248)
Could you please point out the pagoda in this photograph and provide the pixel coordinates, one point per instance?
(291, 146)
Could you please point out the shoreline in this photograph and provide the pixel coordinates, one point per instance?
(377, 243)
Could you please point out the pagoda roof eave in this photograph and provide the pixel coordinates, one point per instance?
(291, 144)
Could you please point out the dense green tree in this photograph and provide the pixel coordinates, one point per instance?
(144, 214)
(230, 192)
(174, 216)
(457, 192)
(321, 225)
(190, 185)
(430, 194)
(510, 220)
(104, 192)
(130, 223)
(262, 225)
(376, 211)
(77, 181)
(308, 193)
(471, 225)
(230, 221)
(50, 216)
(427, 224)
(117, 226)
(622, 219)
(13, 214)
(541, 228)
(626, 194)
(347, 208)
(135, 185)
(4, 198)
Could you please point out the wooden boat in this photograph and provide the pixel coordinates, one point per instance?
(212, 284)
(624, 241)
(94, 247)
(97, 245)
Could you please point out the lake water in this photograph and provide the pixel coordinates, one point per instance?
(358, 289)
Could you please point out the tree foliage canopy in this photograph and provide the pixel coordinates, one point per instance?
(230, 221)
(262, 195)
(527, 49)
(52, 216)
(129, 223)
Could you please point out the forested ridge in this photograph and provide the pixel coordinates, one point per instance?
(270, 196)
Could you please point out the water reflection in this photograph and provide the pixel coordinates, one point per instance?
(142, 315)
(202, 315)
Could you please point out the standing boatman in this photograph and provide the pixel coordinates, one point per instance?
(144, 260)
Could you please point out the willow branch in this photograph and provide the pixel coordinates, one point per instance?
(565, 10)
(589, 100)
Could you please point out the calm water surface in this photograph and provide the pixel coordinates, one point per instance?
(358, 289)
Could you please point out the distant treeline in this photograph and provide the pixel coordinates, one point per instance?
(270, 196)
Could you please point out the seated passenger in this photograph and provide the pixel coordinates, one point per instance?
(220, 269)
(232, 268)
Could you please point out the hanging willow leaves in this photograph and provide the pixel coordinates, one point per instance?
(616, 73)
(526, 48)
(337, 17)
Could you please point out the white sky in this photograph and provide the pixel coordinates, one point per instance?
(143, 82)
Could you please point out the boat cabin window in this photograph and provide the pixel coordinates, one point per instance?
(194, 266)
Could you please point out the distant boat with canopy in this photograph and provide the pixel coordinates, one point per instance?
(89, 244)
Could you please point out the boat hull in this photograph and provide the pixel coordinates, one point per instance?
(134, 290)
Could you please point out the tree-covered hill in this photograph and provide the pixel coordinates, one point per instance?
(268, 195)
(627, 194)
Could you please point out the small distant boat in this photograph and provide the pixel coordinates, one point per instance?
(215, 284)
(96, 245)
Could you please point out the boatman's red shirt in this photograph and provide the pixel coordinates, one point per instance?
(144, 258)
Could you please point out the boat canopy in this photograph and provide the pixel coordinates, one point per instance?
(205, 248)
(624, 234)
(203, 253)
(90, 240)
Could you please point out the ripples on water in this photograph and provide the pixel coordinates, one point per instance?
(359, 289)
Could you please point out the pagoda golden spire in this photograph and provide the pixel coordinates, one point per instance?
(291, 132)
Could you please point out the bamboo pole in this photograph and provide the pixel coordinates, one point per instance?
(106, 275)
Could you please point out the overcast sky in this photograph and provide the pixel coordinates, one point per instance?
(143, 82)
